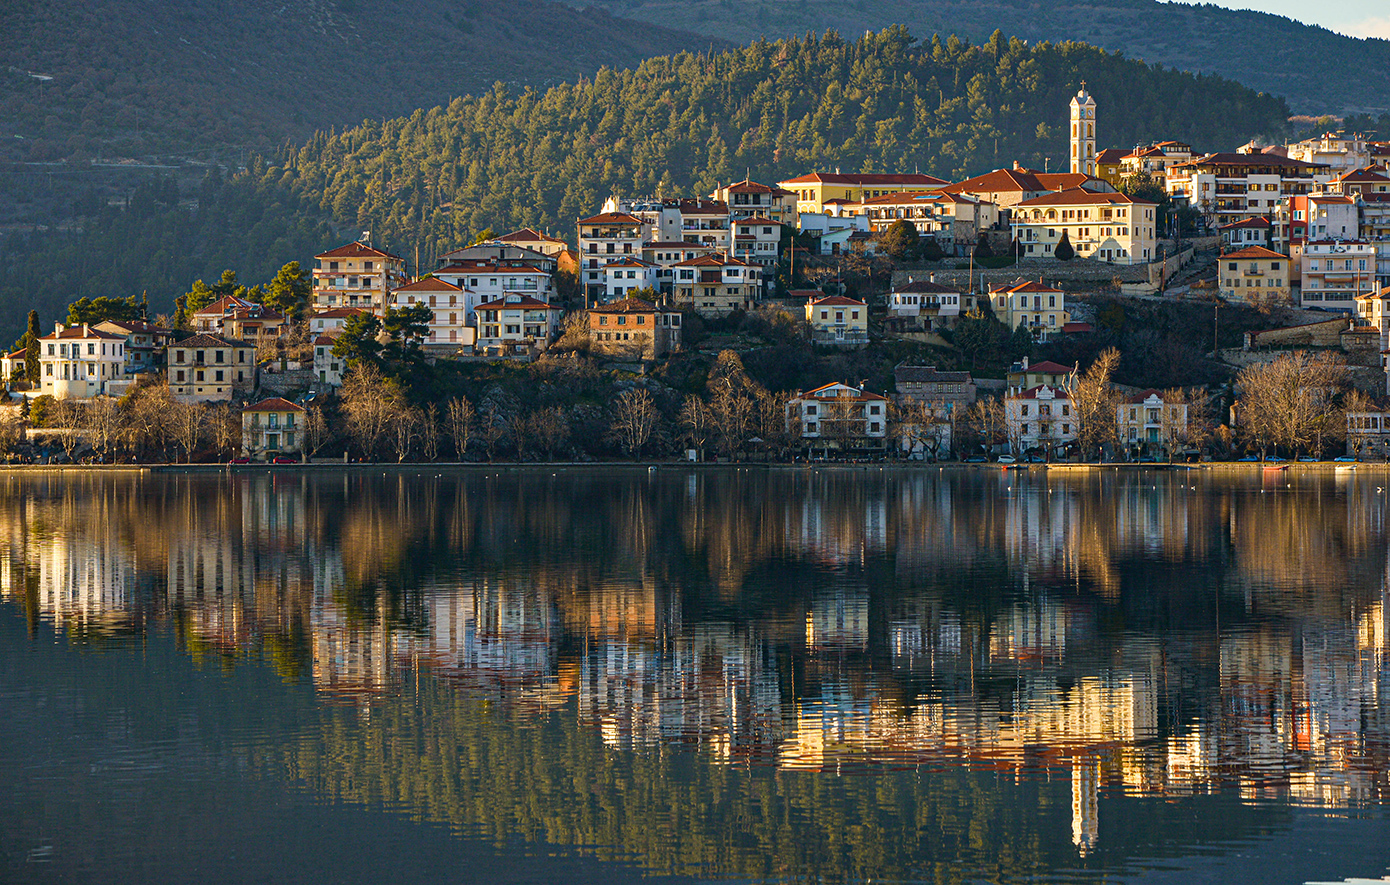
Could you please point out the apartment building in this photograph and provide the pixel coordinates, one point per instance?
(356, 275)
(953, 220)
(839, 416)
(210, 368)
(492, 279)
(747, 199)
(1335, 273)
(1254, 274)
(604, 239)
(1039, 420)
(449, 310)
(517, 322)
(716, 285)
(1108, 227)
(1230, 187)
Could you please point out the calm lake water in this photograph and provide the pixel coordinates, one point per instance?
(610, 675)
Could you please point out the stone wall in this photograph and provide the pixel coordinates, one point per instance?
(281, 383)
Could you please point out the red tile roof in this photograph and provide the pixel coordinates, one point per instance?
(1258, 221)
(749, 187)
(334, 313)
(625, 305)
(712, 261)
(1048, 367)
(859, 394)
(429, 284)
(82, 332)
(357, 250)
(611, 218)
(274, 404)
(524, 302)
(1254, 252)
(997, 182)
(867, 179)
(528, 235)
(1075, 196)
(838, 301)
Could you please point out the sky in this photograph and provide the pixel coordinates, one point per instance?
(1355, 18)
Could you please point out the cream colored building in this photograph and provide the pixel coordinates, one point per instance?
(272, 428)
(209, 368)
(356, 275)
(1254, 274)
(716, 285)
(79, 362)
(747, 199)
(529, 238)
(821, 190)
(837, 321)
(1335, 273)
(449, 311)
(1146, 423)
(1103, 226)
(1039, 307)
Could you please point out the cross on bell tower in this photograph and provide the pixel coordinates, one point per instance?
(1083, 132)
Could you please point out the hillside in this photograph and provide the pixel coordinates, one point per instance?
(1265, 52)
(674, 125)
(201, 79)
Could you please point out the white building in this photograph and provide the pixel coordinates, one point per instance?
(1340, 153)
(1039, 419)
(665, 255)
(484, 281)
(327, 367)
(1336, 273)
(933, 306)
(630, 276)
(757, 240)
(953, 220)
(1230, 187)
(747, 199)
(517, 323)
(78, 362)
(333, 320)
(448, 326)
(839, 416)
(606, 238)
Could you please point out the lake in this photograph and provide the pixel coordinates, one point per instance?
(708, 674)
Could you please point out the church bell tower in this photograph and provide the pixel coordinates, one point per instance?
(1083, 132)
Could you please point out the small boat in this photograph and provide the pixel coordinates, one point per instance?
(1270, 468)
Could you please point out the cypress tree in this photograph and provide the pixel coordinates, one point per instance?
(31, 350)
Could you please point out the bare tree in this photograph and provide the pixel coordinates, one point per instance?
(429, 432)
(635, 418)
(1093, 403)
(315, 431)
(492, 429)
(842, 422)
(224, 427)
(105, 427)
(147, 414)
(917, 424)
(731, 412)
(772, 426)
(404, 429)
(11, 431)
(370, 403)
(463, 421)
(695, 421)
(1289, 402)
(983, 424)
(574, 334)
(186, 425)
(1358, 431)
(67, 418)
(551, 428)
(519, 433)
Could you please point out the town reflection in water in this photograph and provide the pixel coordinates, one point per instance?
(1156, 634)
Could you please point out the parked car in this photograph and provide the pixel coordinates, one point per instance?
(284, 459)
(1345, 459)
(1006, 459)
(976, 459)
(240, 460)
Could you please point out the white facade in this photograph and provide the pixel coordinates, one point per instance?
(630, 276)
(517, 321)
(1147, 420)
(1039, 418)
(448, 326)
(756, 240)
(935, 306)
(356, 275)
(715, 285)
(1083, 133)
(603, 239)
(484, 281)
(78, 362)
(1335, 274)
(327, 367)
(848, 416)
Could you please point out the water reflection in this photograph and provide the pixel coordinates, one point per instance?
(1143, 635)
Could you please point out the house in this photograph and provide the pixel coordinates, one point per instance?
(79, 362)
(447, 303)
(716, 285)
(488, 279)
(1039, 420)
(1104, 226)
(700, 221)
(1254, 231)
(210, 368)
(271, 428)
(1335, 273)
(1147, 424)
(943, 397)
(1254, 274)
(665, 255)
(529, 238)
(327, 367)
(1042, 308)
(838, 416)
(925, 304)
(749, 199)
(631, 276)
(12, 365)
(953, 220)
(1022, 375)
(843, 240)
(603, 239)
(1368, 433)
(757, 240)
(1335, 150)
(1230, 187)
(634, 329)
(144, 343)
(837, 321)
(1006, 188)
(211, 317)
(255, 324)
(818, 191)
(356, 275)
(948, 392)
(333, 320)
(499, 252)
(517, 323)
(1155, 160)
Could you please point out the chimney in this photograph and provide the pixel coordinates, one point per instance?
(931, 277)
(58, 328)
(85, 330)
(1025, 363)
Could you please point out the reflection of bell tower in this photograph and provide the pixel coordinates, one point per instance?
(1085, 803)
(1083, 132)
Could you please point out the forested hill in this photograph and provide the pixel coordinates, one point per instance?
(1266, 52)
(673, 125)
(132, 78)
